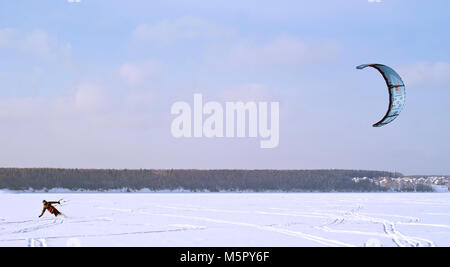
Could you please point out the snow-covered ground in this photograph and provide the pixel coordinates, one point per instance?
(225, 219)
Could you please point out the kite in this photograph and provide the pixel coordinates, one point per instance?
(396, 89)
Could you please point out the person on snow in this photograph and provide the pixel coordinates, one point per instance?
(48, 206)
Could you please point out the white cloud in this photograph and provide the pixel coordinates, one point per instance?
(139, 100)
(281, 51)
(135, 74)
(426, 75)
(184, 28)
(6, 36)
(37, 42)
(54, 131)
(85, 118)
(247, 92)
(89, 96)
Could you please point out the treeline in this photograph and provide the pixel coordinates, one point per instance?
(192, 180)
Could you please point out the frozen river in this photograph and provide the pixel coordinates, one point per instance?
(225, 219)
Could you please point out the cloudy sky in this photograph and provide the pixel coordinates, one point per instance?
(91, 84)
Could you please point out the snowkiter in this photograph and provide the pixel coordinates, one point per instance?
(48, 206)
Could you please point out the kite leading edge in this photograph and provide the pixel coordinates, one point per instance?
(396, 89)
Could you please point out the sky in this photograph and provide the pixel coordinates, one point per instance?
(90, 84)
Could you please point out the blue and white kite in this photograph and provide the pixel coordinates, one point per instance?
(397, 92)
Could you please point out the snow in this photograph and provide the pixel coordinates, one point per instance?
(227, 219)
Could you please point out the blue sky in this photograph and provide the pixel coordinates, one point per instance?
(90, 84)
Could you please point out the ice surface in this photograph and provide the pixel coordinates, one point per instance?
(226, 219)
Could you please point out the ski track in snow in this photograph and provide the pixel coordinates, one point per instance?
(399, 239)
(320, 240)
(344, 220)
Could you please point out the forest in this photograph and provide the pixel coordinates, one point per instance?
(191, 180)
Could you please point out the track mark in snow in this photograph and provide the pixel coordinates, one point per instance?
(106, 235)
(38, 227)
(328, 229)
(37, 242)
(438, 214)
(187, 226)
(197, 208)
(389, 228)
(425, 224)
(86, 220)
(318, 239)
(410, 218)
(292, 214)
(17, 222)
(398, 238)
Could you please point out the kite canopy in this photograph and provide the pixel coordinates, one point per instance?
(396, 89)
